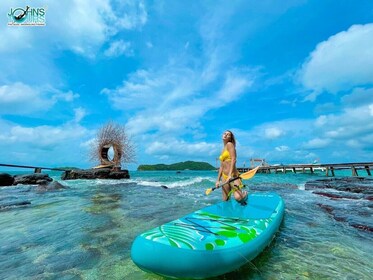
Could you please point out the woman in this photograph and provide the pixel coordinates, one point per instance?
(228, 170)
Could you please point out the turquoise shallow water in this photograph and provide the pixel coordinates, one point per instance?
(86, 231)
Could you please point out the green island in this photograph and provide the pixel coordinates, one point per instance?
(186, 165)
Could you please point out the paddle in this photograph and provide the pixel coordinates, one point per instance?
(247, 175)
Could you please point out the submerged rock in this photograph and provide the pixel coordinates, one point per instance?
(347, 200)
(101, 173)
(51, 186)
(9, 205)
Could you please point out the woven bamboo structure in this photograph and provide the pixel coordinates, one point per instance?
(112, 138)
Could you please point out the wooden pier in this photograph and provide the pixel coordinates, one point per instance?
(37, 169)
(329, 169)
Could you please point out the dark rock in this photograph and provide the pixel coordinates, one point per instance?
(363, 227)
(51, 186)
(165, 187)
(352, 185)
(32, 179)
(349, 200)
(101, 173)
(14, 204)
(337, 196)
(6, 179)
(119, 175)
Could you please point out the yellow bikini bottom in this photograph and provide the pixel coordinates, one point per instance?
(234, 187)
(225, 176)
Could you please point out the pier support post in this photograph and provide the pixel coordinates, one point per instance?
(368, 170)
(354, 171)
(37, 170)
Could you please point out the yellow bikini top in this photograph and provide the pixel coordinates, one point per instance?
(225, 156)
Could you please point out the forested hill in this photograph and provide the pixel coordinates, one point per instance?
(186, 165)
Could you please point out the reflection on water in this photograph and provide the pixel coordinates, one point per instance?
(86, 231)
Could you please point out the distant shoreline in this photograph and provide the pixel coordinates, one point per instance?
(180, 166)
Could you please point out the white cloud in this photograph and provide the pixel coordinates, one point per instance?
(342, 62)
(170, 99)
(117, 48)
(80, 113)
(282, 148)
(371, 109)
(321, 120)
(44, 135)
(317, 143)
(22, 99)
(45, 145)
(173, 147)
(273, 132)
(82, 26)
(358, 97)
(235, 83)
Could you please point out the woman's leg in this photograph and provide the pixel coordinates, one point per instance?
(239, 194)
(225, 191)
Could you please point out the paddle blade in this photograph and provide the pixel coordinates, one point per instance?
(208, 191)
(249, 174)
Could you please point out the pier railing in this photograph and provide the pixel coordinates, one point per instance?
(37, 169)
(329, 168)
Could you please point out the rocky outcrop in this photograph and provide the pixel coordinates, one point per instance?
(347, 200)
(6, 179)
(101, 173)
(43, 181)
(32, 179)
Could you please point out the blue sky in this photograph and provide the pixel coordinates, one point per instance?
(292, 79)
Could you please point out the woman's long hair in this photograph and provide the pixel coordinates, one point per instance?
(233, 139)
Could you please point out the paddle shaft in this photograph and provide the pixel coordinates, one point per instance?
(231, 180)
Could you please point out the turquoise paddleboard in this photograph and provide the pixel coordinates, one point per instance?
(212, 241)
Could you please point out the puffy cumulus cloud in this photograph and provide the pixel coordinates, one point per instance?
(44, 135)
(21, 99)
(342, 62)
(86, 25)
(45, 144)
(351, 123)
(347, 135)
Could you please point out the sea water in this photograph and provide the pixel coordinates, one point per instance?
(86, 230)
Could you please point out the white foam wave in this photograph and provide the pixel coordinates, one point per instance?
(174, 184)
